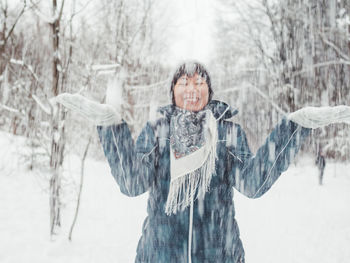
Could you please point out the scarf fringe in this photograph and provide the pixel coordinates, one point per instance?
(195, 184)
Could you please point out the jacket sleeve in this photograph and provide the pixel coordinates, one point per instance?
(132, 166)
(254, 175)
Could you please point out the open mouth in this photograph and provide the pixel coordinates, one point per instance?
(190, 98)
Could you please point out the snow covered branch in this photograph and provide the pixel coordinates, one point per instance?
(157, 85)
(258, 91)
(106, 69)
(228, 90)
(28, 67)
(337, 49)
(15, 111)
(41, 105)
(322, 64)
(45, 18)
(98, 67)
(36, 78)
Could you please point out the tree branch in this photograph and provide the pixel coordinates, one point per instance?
(337, 49)
(80, 187)
(15, 111)
(322, 64)
(15, 23)
(36, 78)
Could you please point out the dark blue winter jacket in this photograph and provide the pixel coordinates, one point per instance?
(145, 166)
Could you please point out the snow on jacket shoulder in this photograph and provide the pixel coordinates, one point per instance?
(145, 166)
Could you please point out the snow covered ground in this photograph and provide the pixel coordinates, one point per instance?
(297, 221)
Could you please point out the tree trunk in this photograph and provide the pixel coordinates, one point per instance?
(57, 126)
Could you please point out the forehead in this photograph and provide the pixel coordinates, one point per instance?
(190, 76)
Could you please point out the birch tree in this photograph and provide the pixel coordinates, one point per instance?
(57, 122)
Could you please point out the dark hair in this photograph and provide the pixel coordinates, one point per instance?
(189, 69)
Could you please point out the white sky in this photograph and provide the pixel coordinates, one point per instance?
(189, 24)
(191, 28)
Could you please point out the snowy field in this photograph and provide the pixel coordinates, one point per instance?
(297, 221)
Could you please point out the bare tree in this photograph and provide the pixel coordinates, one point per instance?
(57, 122)
(77, 58)
(7, 30)
(298, 54)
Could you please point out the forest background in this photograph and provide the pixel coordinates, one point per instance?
(266, 58)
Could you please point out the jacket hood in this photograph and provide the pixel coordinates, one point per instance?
(220, 110)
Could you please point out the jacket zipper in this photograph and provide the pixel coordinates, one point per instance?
(190, 232)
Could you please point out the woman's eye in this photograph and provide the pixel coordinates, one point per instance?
(183, 82)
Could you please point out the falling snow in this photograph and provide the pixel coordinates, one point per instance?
(273, 80)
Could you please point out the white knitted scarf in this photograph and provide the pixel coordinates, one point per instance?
(191, 172)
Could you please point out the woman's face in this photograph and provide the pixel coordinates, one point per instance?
(191, 93)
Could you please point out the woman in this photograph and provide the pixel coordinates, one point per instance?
(189, 160)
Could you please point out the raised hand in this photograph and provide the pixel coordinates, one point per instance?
(316, 117)
(97, 113)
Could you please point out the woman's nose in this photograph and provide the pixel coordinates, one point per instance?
(191, 86)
